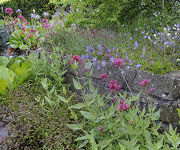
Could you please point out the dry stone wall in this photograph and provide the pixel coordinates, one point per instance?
(165, 97)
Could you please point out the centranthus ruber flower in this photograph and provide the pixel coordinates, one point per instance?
(100, 128)
(123, 106)
(114, 86)
(144, 82)
(9, 11)
(76, 58)
(151, 90)
(119, 63)
(104, 77)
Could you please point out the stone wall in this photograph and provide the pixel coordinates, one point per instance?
(165, 97)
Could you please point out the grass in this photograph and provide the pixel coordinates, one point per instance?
(138, 47)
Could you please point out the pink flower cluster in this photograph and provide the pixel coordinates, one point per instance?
(76, 58)
(123, 106)
(114, 86)
(144, 82)
(32, 30)
(44, 21)
(119, 63)
(9, 11)
(21, 17)
(46, 26)
(151, 90)
(104, 77)
(100, 128)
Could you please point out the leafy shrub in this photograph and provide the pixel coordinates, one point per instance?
(112, 13)
(27, 6)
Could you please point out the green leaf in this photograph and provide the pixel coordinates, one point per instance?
(94, 145)
(3, 87)
(13, 45)
(70, 98)
(23, 72)
(159, 144)
(88, 115)
(83, 144)
(103, 144)
(77, 85)
(48, 100)
(74, 126)
(8, 76)
(122, 147)
(73, 115)
(86, 137)
(62, 99)
(77, 106)
(3, 61)
(23, 47)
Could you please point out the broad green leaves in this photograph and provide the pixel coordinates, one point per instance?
(13, 72)
(8, 76)
(3, 61)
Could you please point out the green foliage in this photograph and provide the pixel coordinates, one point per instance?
(27, 6)
(104, 127)
(13, 72)
(112, 13)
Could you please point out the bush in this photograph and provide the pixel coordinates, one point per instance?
(27, 6)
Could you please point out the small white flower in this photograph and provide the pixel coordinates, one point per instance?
(165, 29)
(154, 35)
(45, 14)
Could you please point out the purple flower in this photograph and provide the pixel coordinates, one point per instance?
(18, 11)
(138, 66)
(136, 45)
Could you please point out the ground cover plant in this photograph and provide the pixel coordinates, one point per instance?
(49, 114)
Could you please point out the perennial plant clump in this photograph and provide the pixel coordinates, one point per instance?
(99, 121)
